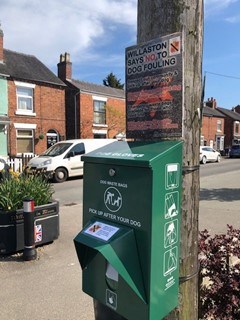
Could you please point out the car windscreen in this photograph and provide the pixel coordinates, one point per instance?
(56, 149)
(235, 147)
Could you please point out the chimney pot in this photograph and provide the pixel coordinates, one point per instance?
(67, 57)
(61, 57)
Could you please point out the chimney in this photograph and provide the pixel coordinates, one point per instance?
(211, 103)
(236, 109)
(65, 67)
(1, 44)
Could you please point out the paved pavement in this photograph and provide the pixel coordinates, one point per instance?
(49, 288)
(220, 202)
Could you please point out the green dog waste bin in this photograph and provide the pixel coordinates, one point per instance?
(129, 245)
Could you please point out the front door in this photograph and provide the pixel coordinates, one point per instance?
(52, 138)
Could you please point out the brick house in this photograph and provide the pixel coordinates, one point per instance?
(32, 104)
(92, 111)
(213, 124)
(232, 125)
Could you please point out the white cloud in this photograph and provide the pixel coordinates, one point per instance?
(48, 28)
(233, 19)
(88, 30)
(219, 3)
(214, 6)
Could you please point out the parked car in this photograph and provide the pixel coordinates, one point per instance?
(235, 151)
(63, 159)
(208, 154)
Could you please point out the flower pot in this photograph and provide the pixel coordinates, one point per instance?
(46, 222)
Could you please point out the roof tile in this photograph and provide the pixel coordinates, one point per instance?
(231, 114)
(28, 68)
(98, 89)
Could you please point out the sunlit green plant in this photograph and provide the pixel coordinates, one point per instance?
(14, 189)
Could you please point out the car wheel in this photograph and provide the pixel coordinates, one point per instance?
(218, 159)
(60, 175)
(204, 160)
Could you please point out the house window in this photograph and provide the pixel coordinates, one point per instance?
(219, 125)
(99, 108)
(25, 141)
(25, 99)
(236, 127)
(99, 136)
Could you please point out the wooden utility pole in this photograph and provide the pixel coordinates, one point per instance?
(157, 18)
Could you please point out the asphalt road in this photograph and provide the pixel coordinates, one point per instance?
(220, 196)
(70, 191)
(226, 165)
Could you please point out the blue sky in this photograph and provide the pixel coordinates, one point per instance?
(96, 36)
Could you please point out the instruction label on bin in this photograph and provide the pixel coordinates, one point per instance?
(101, 230)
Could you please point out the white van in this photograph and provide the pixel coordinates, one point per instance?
(63, 159)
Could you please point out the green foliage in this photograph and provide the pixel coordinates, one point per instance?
(41, 136)
(115, 119)
(112, 81)
(14, 189)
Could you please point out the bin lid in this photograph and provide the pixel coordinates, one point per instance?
(139, 153)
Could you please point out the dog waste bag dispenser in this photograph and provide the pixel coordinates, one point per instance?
(129, 245)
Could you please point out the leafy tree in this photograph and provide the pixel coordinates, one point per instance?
(112, 81)
(115, 119)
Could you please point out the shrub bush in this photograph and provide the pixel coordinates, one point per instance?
(15, 188)
(219, 275)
